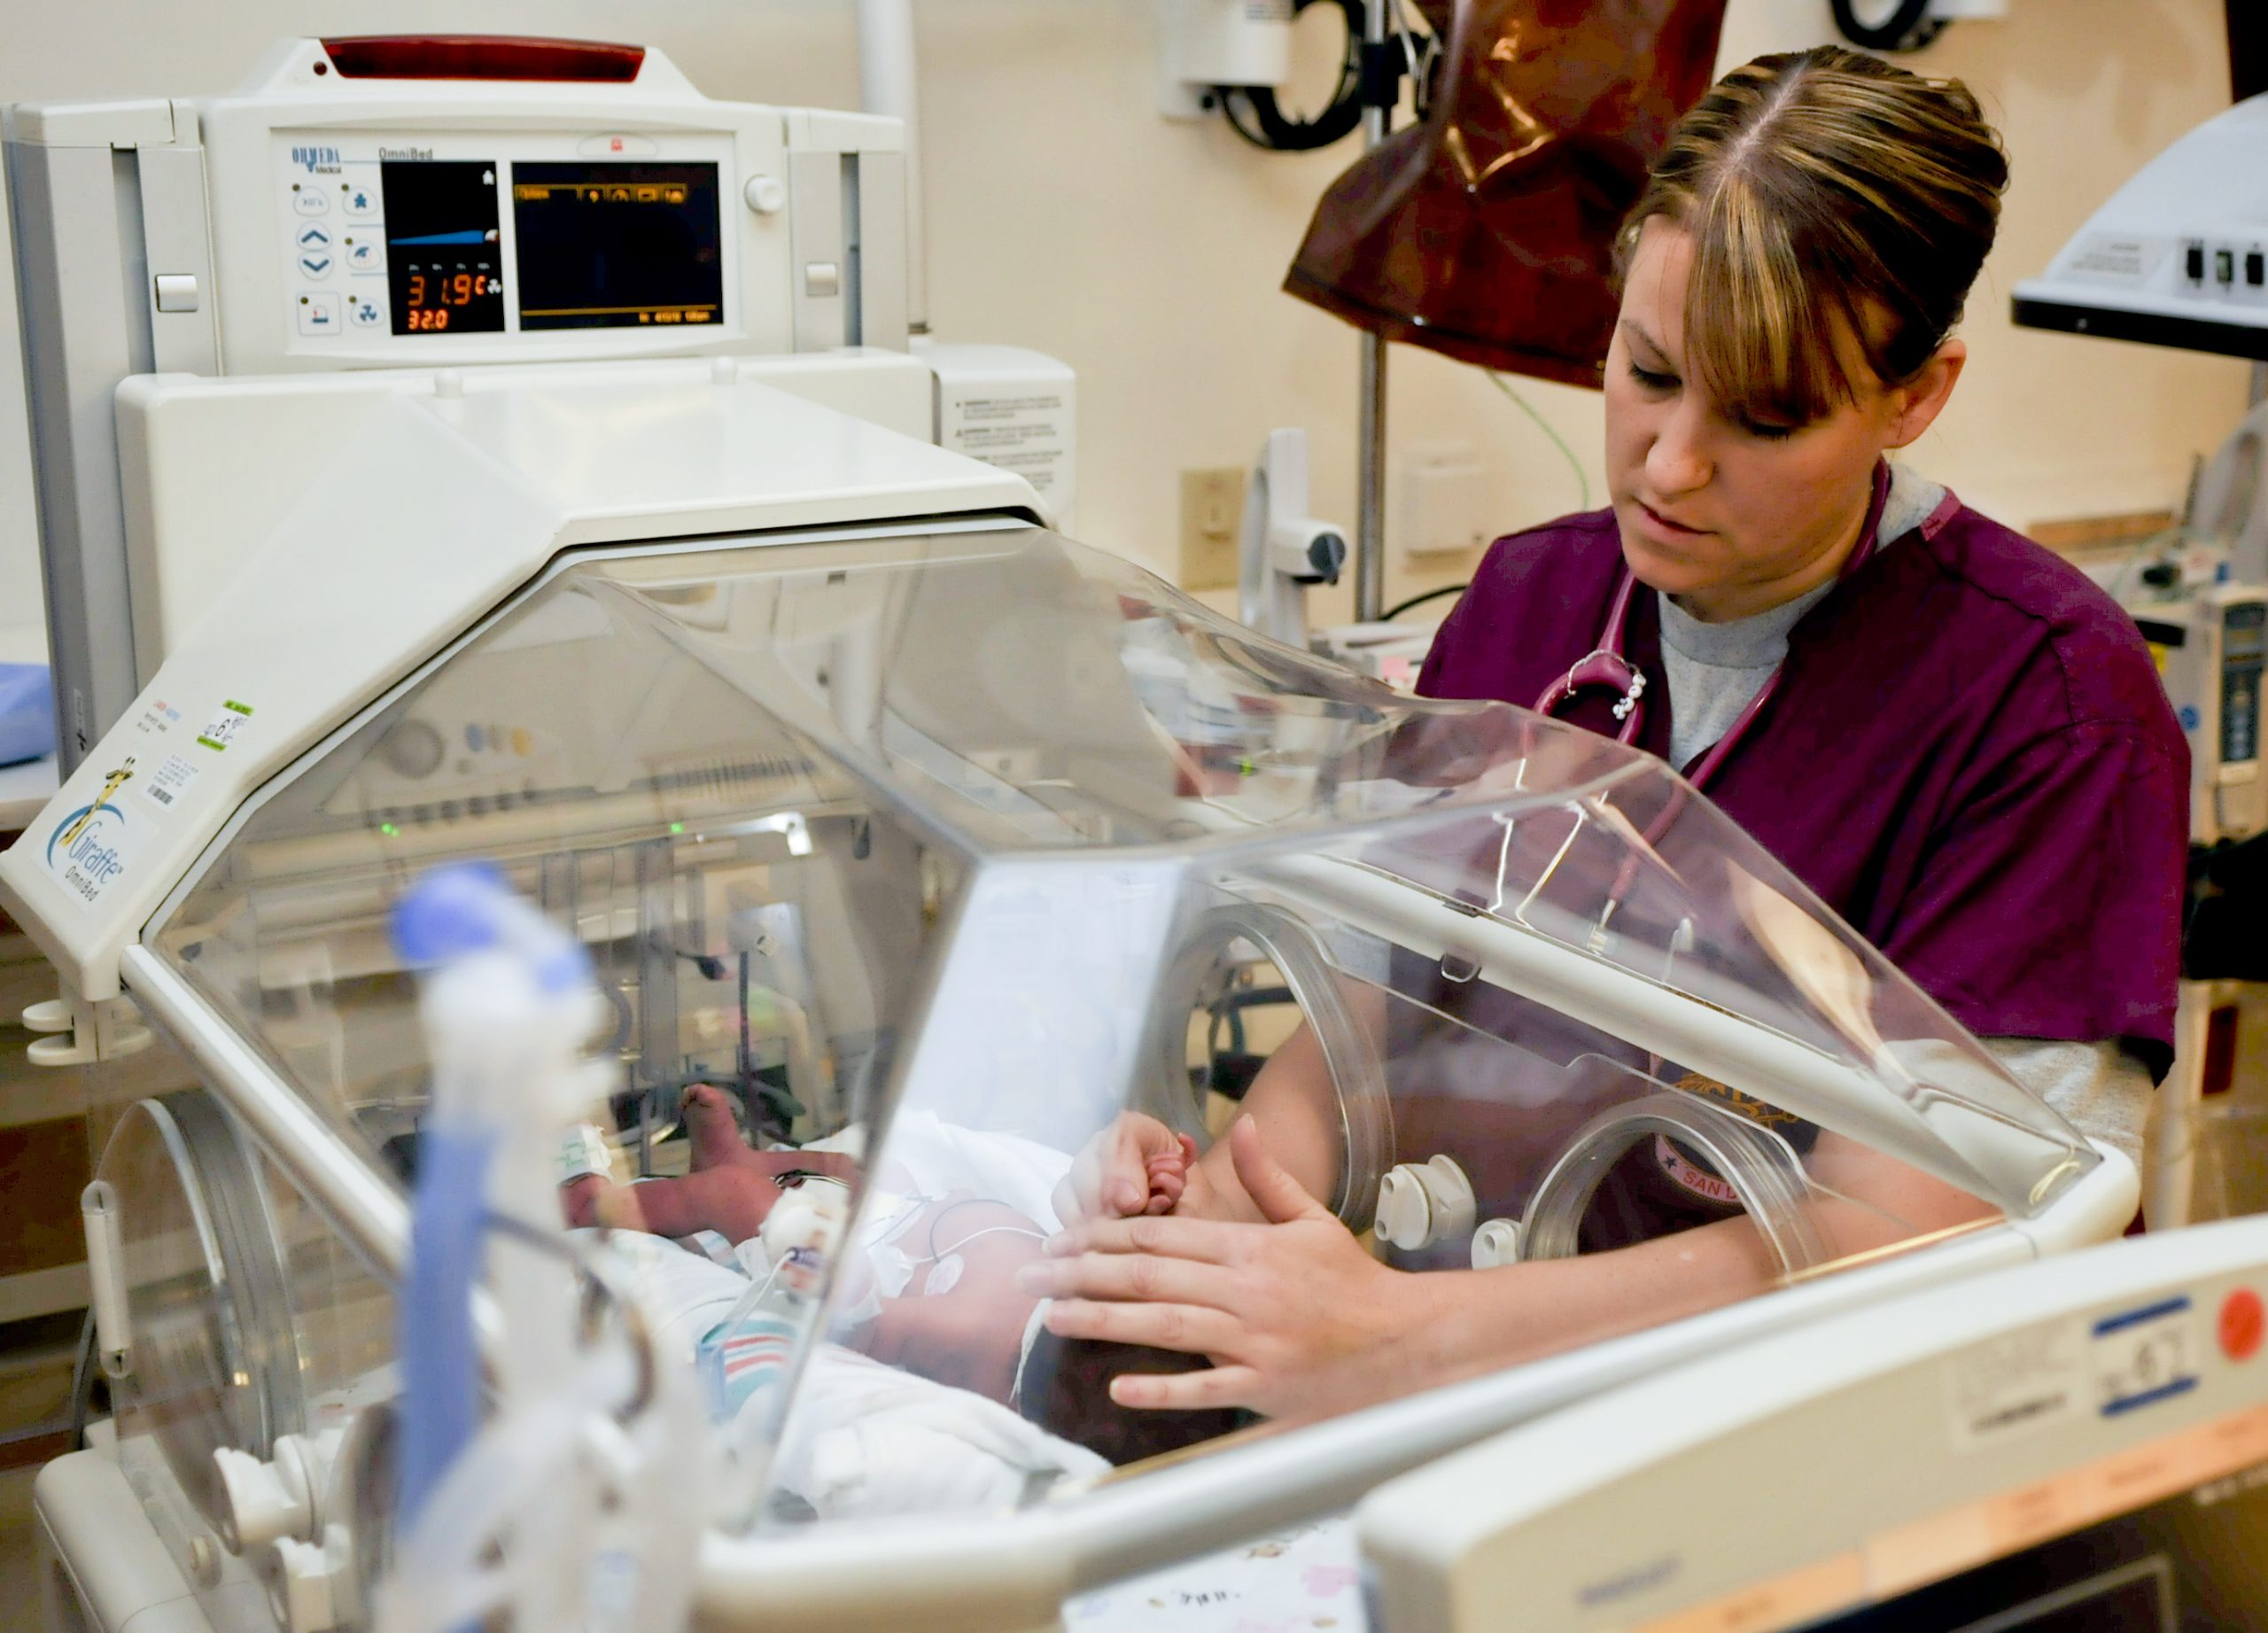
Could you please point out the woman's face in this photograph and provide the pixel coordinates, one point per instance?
(1732, 515)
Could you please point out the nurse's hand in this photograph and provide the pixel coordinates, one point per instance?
(1137, 1165)
(1298, 1320)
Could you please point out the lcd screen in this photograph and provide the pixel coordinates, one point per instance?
(617, 245)
(443, 268)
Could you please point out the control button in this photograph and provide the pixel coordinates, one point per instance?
(2243, 1323)
(766, 195)
(364, 313)
(317, 264)
(614, 146)
(318, 314)
(2224, 266)
(2255, 268)
(363, 257)
(310, 200)
(361, 202)
(177, 291)
(821, 279)
(313, 236)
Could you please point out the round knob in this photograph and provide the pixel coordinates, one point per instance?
(1404, 1216)
(1496, 1242)
(1420, 1204)
(1327, 555)
(267, 1501)
(413, 748)
(766, 195)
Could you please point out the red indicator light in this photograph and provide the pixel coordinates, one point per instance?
(481, 56)
(2243, 1324)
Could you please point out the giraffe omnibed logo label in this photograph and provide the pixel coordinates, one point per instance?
(87, 851)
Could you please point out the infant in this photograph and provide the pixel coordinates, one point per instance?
(931, 1285)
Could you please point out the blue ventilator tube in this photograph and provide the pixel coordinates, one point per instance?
(440, 1360)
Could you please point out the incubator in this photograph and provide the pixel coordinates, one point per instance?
(910, 857)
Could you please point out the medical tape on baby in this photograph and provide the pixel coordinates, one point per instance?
(583, 1150)
(1032, 1328)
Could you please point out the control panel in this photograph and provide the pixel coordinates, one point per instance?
(420, 203)
(2178, 256)
(388, 242)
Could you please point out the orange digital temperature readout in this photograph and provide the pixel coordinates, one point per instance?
(435, 300)
(444, 261)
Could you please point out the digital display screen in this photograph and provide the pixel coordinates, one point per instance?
(617, 245)
(443, 263)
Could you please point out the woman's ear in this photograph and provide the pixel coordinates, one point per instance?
(1915, 404)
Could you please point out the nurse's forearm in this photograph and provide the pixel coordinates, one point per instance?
(1468, 1322)
(1292, 1102)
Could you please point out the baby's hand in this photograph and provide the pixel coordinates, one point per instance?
(1169, 1173)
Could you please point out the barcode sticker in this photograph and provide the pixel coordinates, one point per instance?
(164, 787)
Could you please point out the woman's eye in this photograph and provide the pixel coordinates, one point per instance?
(1653, 381)
(1766, 430)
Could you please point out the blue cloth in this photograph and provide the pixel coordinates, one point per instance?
(27, 713)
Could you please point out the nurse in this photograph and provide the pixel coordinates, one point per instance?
(1951, 736)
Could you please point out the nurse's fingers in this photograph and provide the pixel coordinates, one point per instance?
(1208, 1241)
(1214, 1388)
(1137, 1278)
(1190, 1328)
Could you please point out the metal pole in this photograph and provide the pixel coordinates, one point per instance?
(1370, 522)
(888, 85)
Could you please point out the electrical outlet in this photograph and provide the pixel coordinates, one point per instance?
(1212, 513)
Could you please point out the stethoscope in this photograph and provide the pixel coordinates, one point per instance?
(1606, 667)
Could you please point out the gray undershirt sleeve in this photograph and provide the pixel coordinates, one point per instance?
(2102, 1090)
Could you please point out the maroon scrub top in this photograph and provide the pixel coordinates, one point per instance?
(1970, 756)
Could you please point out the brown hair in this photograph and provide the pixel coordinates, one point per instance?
(1828, 194)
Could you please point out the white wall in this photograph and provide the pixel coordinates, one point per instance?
(1065, 214)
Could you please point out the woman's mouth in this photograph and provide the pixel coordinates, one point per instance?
(1677, 530)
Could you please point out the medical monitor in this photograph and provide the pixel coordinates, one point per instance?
(615, 246)
(2078, 1446)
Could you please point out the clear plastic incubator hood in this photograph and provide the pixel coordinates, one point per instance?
(909, 858)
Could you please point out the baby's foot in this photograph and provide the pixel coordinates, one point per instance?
(709, 1125)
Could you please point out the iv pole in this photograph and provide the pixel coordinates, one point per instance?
(1370, 522)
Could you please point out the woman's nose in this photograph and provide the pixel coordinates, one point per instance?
(1678, 462)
